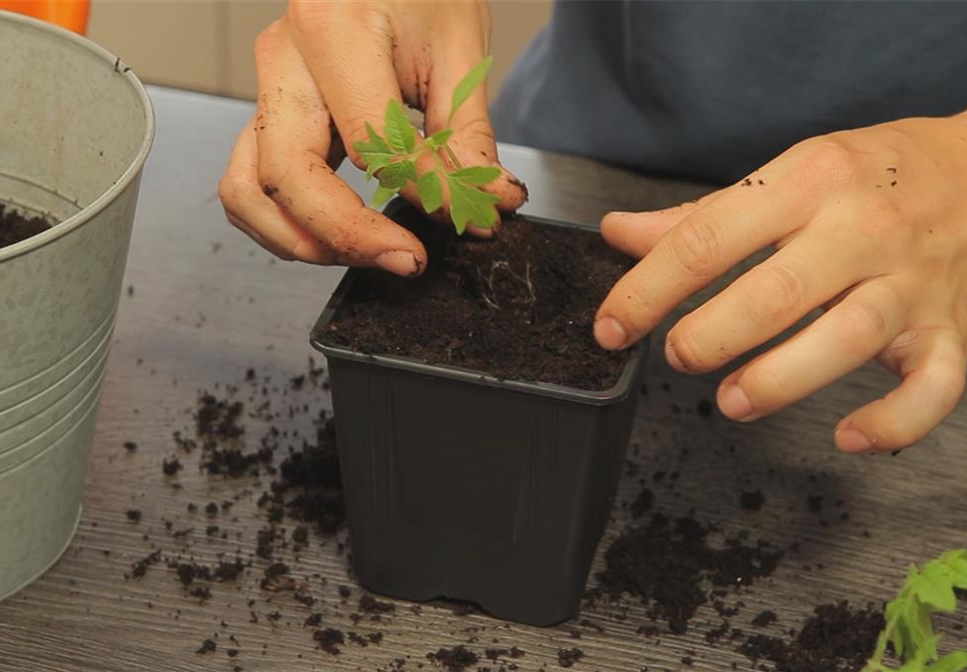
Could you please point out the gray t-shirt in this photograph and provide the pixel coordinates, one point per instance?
(712, 90)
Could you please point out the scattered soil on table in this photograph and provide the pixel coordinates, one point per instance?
(207, 646)
(518, 307)
(15, 227)
(568, 657)
(330, 639)
(642, 503)
(752, 501)
(670, 565)
(765, 618)
(837, 638)
(457, 659)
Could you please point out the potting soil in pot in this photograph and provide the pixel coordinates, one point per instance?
(15, 226)
(520, 306)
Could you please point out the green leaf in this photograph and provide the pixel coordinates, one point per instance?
(381, 195)
(399, 131)
(395, 175)
(956, 561)
(376, 140)
(934, 586)
(430, 191)
(478, 175)
(374, 152)
(375, 162)
(470, 81)
(952, 662)
(439, 139)
(470, 205)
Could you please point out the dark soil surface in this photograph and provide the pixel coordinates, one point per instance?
(837, 638)
(518, 307)
(15, 227)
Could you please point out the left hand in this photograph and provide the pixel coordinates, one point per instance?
(870, 224)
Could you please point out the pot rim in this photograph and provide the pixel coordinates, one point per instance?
(611, 395)
(127, 177)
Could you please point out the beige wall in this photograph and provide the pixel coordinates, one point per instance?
(206, 45)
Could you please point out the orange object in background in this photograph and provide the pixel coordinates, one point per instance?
(70, 14)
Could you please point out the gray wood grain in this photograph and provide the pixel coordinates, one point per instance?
(207, 304)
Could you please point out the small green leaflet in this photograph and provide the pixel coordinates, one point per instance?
(470, 81)
(395, 175)
(935, 586)
(952, 662)
(374, 152)
(469, 204)
(439, 139)
(381, 196)
(400, 133)
(430, 191)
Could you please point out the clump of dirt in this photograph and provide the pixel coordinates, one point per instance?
(330, 639)
(15, 227)
(568, 657)
(457, 659)
(765, 618)
(643, 503)
(530, 294)
(309, 486)
(837, 638)
(752, 501)
(219, 428)
(669, 565)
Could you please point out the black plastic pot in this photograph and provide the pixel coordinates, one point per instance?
(464, 486)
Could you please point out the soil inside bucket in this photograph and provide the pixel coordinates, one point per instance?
(15, 227)
(520, 306)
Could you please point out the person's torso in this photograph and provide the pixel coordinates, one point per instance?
(712, 90)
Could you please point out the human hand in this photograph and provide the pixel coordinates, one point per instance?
(324, 71)
(870, 224)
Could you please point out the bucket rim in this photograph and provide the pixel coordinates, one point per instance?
(129, 175)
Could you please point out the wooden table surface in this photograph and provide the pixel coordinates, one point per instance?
(206, 305)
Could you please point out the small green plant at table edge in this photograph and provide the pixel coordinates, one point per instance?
(909, 618)
(391, 158)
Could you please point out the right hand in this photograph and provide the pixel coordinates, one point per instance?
(324, 70)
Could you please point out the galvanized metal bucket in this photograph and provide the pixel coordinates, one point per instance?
(75, 130)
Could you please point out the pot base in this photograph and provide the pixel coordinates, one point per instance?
(54, 561)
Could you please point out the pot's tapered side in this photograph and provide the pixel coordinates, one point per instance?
(459, 485)
(76, 129)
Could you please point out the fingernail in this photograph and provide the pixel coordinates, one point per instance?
(734, 404)
(609, 333)
(398, 262)
(481, 232)
(852, 441)
(673, 358)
